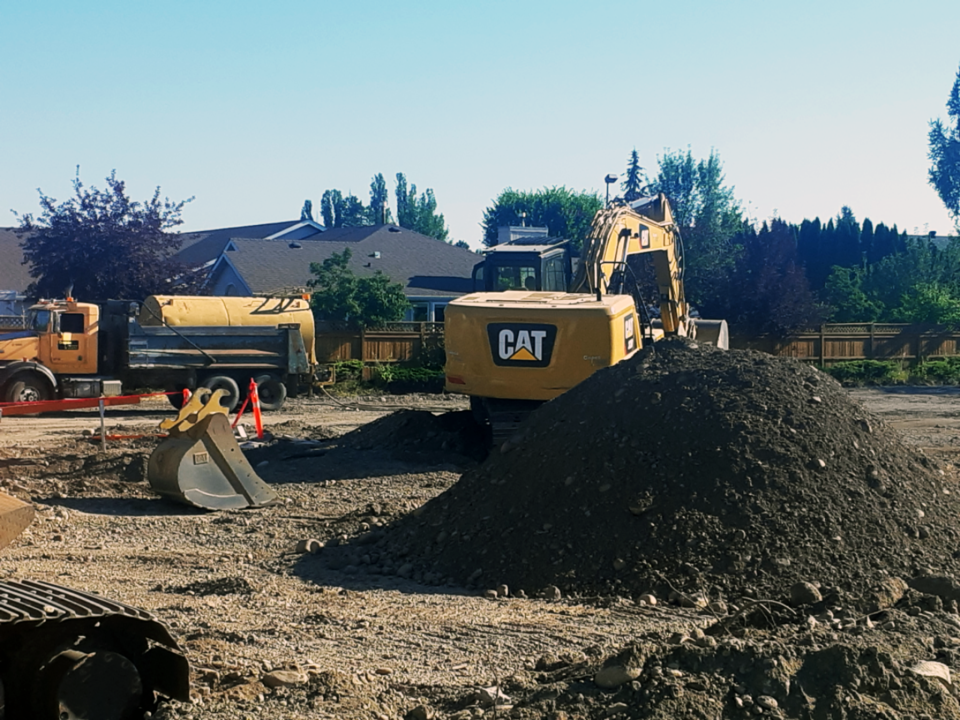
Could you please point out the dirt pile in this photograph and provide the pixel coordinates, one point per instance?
(420, 435)
(692, 469)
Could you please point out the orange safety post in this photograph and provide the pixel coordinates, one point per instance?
(255, 402)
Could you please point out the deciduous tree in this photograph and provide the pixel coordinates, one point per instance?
(944, 140)
(419, 213)
(564, 212)
(342, 298)
(104, 245)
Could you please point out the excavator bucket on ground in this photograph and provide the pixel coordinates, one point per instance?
(66, 654)
(201, 464)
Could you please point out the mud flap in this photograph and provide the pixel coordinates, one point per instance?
(205, 468)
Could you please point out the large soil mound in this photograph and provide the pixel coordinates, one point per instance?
(692, 468)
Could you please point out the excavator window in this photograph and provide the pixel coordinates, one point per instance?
(514, 277)
(554, 277)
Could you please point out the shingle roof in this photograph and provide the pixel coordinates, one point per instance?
(202, 247)
(424, 265)
(14, 275)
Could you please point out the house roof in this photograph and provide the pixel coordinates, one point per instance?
(424, 265)
(202, 247)
(14, 275)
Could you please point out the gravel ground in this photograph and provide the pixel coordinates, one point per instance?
(359, 644)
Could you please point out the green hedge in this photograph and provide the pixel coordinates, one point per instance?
(943, 371)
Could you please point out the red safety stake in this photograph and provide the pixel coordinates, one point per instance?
(255, 402)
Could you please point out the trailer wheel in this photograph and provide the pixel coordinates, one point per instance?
(228, 385)
(271, 391)
(27, 387)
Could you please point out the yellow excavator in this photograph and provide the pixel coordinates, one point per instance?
(550, 327)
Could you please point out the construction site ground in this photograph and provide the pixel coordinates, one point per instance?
(273, 632)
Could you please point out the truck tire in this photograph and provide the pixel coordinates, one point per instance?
(27, 387)
(228, 385)
(271, 391)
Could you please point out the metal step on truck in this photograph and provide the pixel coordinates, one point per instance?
(72, 349)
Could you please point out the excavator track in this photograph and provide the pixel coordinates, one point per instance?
(67, 654)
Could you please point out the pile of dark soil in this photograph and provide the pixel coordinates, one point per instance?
(419, 435)
(693, 469)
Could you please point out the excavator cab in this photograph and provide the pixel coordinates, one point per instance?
(517, 265)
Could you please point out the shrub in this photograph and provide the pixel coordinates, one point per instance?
(942, 370)
(867, 372)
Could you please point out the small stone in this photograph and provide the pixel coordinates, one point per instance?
(719, 607)
(616, 709)
(421, 712)
(929, 668)
(310, 545)
(696, 600)
(619, 564)
(678, 638)
(490, 594)
(614, 676)
(492, 696)
(503, 591)
(767, 702)
(551, 592)
(805, 593)
(647, 599)
(284, 678)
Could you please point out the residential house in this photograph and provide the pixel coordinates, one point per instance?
(14, 278)
(431, 271)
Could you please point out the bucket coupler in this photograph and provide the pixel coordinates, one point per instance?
(201, 464)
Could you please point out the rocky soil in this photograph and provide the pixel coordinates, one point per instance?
(387, 618)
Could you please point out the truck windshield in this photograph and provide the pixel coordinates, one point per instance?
(40, 320)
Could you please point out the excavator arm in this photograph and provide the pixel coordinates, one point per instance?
(620, 231)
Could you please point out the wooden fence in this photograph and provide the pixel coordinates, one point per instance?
(398, 342)
(838, 342)
(423, 342)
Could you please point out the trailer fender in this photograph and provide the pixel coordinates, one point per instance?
(8, 371)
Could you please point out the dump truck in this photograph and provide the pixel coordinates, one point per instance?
(73, 349)
(546, 323)
(66, 653)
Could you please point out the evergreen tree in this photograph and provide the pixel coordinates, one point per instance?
(635, 182)
(944, 141)
(867, 241)
(846, 239)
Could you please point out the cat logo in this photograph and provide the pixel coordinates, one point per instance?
(521, 344)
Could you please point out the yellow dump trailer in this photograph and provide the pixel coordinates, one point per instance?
(201, 311)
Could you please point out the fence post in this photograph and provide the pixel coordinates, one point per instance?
(870, 351)
(823, 345)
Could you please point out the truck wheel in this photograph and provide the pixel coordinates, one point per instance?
(228, 385)
(271, 391)
(27, 387)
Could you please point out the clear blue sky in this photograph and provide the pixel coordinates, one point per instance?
(253, 107)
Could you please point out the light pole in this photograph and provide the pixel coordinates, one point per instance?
(609, 180)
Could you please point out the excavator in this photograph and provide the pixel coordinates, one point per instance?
(66, 654)
(523, 341)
